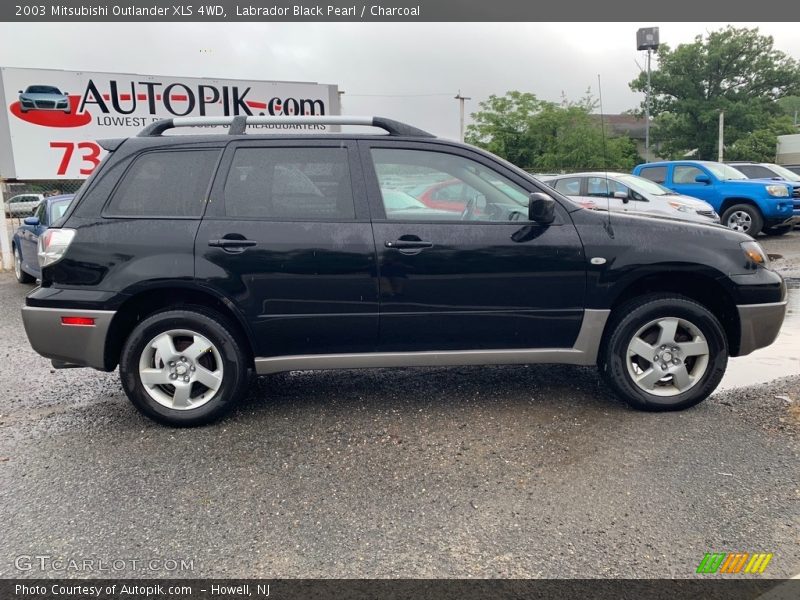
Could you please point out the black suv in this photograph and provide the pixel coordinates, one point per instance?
(192, 260)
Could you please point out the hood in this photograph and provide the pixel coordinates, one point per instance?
(43, 96)
(688, 200)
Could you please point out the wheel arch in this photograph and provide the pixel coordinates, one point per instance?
(145, 302)
(733, 201)
(702, 288)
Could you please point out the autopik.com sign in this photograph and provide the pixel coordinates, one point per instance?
(52, 119)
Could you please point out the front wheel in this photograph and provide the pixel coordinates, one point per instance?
(664, 353)
(184, 367)
(743, 217)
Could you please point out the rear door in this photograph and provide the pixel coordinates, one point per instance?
(286, 240)
(481, 278)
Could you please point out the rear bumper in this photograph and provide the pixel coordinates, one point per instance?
(760, 325)
(82, 345)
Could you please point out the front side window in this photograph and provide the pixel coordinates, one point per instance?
(603, 187)
(424, 185)
(305, 184)
(165, 184)
(686, 174)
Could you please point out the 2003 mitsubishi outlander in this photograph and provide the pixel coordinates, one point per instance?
(190, 260)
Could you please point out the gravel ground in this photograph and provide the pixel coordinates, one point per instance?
(465, 472)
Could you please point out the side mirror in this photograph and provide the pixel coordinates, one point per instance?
(622, 196)
(703, 178)
(33, 221)
(541, 208)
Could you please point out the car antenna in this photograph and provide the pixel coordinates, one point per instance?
(607, 224)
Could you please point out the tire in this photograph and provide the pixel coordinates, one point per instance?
(22, 276)
(216, 369)
(690, 376)
(777, 230)
(743, 217)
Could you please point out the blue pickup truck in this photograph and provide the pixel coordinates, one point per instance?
(747, 205)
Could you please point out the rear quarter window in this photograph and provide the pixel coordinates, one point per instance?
(166, 183)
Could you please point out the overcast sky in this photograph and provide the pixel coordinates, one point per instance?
(405, 71)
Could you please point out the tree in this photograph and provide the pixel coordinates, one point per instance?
(736, 70)
(545, 136)
(761, 144)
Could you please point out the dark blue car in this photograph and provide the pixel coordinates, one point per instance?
(26, 237)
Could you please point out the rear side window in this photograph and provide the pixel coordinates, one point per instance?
(756, 171)
(657, 174)
(569, 186)
(305, 184)
(165, 184)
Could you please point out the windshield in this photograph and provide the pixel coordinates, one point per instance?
(785, 173)
(644, 186)
(42, 89)
(721, 171)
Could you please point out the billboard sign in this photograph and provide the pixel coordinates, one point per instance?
(52, 119)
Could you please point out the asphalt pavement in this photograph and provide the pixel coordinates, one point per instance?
(462, 472)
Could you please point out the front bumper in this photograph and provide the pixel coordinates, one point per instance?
(82, 345)
(760, 325)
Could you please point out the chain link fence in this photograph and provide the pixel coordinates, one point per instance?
(20, 200)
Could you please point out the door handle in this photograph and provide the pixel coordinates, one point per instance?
(226, 243)
(408, 244)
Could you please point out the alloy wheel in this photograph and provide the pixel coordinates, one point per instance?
(667, 356)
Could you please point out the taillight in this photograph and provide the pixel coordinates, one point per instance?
(53, 245)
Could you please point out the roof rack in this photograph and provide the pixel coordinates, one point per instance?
(237, 125)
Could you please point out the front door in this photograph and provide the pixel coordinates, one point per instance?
(478, 277)
(284, 237)
(684, 182)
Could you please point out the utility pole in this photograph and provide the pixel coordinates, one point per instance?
(647, 110)
(461, 99)
(720, 141)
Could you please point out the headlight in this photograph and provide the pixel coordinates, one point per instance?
(755, 253)
(680, 206)
(778, 191)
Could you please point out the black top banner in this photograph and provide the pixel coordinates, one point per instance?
(396, 10)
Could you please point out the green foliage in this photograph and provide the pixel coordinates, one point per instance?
(736, 70)
(545, 136)
(760, 145)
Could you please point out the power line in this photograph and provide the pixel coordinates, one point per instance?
(399, 95)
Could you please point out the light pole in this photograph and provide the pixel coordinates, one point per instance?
(647, 39)
(461, 99)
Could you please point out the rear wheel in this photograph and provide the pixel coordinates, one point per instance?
(184, 367)
(664, 353)
(21, 275)
(743, 217)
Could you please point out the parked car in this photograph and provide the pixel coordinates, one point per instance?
(629, 193)
(22, 205)
(749, 206)
(755, 170)
(25, 241)
(43, 97)
(792, 168)
(183, 262)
